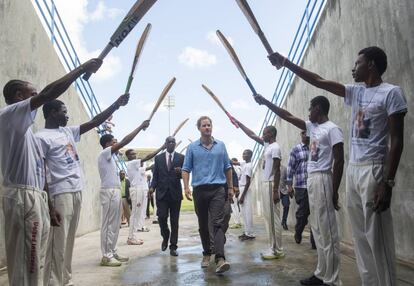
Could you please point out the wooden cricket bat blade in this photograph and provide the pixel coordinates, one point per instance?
(162, 96)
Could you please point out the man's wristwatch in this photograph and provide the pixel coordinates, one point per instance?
(390, 183)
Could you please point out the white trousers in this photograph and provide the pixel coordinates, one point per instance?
(247, 212)
(133, 221)
(324, 227)
(142, 200)
(373, 233)
(58, 270)
(27, 225)
(271, 214)
(235, 211)
(111, 220)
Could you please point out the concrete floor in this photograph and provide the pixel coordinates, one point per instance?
(149, 266)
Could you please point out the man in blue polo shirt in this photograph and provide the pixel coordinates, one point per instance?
(209, 163)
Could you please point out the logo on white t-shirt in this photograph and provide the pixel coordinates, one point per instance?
(71, 155)
(314, 151)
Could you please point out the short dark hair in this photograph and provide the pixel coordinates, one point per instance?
(127, 152)
(272, 129)
(11, 87)
(203, 118)
(105, 139)
(377, 55)
(250, 152)
(322, 102)
(47, 108)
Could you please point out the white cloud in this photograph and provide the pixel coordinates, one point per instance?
(195, 58)
(212, 38)
(75, 15)
(240, 104)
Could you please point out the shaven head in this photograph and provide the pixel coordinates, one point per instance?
(377, 56)
(12, 88)
(106, 140)
(170, 144)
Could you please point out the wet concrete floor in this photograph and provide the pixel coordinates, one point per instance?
(247, 267)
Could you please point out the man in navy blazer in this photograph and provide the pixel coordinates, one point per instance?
(166, 182)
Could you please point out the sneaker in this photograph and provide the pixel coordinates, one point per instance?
(270, 255)
(133, 241)
(313, 280)
(206, 261)
(243, 236)
(248, 237)
(120, 258)
(111, 262)
(144, 229)
(235, 226)
(222, 266)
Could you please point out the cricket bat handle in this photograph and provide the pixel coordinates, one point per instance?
(249, 83)
(103, 54)
(267, 45)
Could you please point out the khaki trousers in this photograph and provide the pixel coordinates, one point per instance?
(111, 220)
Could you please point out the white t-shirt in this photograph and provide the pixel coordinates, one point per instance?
(107, 170)
(246, 170)
(21, 156)
(322, 138)
(137, 175)
(371, 108)
(62, 160)
(272, 151)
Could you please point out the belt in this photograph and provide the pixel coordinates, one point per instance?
(208, 187)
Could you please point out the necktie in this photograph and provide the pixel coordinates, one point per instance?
(169, 163)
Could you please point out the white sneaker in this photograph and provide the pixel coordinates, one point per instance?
(206, 261)
(133, 241)
(120, 258)
(222, 266)
(111, 262)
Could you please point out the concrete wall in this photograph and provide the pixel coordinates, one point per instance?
(26, 53)
(345, 27)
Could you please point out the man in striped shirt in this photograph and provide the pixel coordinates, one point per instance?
(297, 168)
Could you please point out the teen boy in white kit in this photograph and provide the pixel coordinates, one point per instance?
(137, 177)
(65, 182)
(272, 157)
(110, 195)
(325, 167)
(378, 111)
(24, 202)
(246, 196)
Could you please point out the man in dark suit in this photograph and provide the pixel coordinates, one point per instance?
(166, 182)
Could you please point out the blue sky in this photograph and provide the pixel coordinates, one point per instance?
(182, 43)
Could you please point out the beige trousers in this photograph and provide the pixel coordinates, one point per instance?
(111, 220)
(27, 225)
(58, 270)
(271, 214)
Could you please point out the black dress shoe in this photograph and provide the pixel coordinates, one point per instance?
(298, 237)
(173, 252)
(164, 244)
(284, 225)
(313, 280)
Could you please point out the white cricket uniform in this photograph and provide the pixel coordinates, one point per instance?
(142, 187)
(25, 207)
(372, 232)
(271, 211)
(135, 194)
(65, 184)
(235, 207)
(320, 190)
(110, 196)
(247, 206)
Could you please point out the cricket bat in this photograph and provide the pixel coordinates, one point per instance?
(134, 15)
(162, 96)
(236, 60)
(179, 127)
(138, 51)
(247, 11)
(215, 98)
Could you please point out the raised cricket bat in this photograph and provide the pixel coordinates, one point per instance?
(179, 127)
(162, 96)
(247, 11)
(134, 15)
(138, 51)
(215, 98)
(235, 59)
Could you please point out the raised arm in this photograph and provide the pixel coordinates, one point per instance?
(127, 139)
(58, 87)
(249, 132)
(338, 167)
(153, 154)
(314, 79)
(282, 113)
(101, 117)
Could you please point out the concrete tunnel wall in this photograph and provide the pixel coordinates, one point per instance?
(27, 53)
(345, 27)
